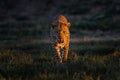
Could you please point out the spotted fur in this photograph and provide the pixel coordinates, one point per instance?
(60, 36)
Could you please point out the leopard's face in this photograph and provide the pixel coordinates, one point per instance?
(60, 27)
(60, 30)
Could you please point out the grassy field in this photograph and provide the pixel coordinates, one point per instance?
(92, 60)
(25, 54)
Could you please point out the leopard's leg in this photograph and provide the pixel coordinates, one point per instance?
(62, 52)
(58, 53)
(66, 49)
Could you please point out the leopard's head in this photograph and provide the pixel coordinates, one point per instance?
(61, 22)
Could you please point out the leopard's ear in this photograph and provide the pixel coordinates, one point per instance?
(53, 25)
(68, 24)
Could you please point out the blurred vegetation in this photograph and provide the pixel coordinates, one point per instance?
(17, 16)
(23, 29)
(33, 9)
(97, 25)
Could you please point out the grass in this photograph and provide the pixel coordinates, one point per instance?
(22, 58)
(87, 61)
(39, 66)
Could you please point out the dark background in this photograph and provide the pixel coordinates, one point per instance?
(26, 22)
(34, 9)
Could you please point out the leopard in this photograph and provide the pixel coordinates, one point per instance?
(60, 36)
